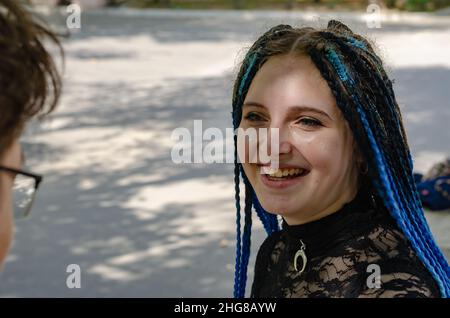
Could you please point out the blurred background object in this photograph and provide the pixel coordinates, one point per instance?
(434, 186)
(409, 5)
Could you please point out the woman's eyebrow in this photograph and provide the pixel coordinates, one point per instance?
(296, 109)
(292, 109)
(253, 104)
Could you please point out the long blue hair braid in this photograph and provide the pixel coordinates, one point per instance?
(365, 96)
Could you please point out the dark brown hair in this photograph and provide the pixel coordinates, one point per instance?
(30, 84)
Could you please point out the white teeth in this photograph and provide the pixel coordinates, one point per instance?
(279, 173)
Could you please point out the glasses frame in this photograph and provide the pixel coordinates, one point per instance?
(37, 181)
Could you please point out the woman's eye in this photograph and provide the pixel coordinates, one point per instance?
(311, 122)
(253, 117)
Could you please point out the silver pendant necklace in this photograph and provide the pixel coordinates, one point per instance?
(300, 253)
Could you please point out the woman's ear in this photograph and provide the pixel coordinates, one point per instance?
(358, 157)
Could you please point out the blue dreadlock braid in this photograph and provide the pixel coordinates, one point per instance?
(237, 280)
(415, 212)
(242, 247)
(402, 200)
(244, 83)
(246, 236)
(270, 224)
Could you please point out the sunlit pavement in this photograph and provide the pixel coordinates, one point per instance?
(113, 202)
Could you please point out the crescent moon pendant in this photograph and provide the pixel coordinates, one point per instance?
(300, 253)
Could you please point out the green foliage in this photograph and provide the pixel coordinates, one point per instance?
(423, 5)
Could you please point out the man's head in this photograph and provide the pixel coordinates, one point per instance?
(30, 86)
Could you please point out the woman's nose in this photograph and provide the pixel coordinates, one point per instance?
(280, 140)
(285, 147)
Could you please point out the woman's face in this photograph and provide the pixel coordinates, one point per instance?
(12, 159)
(315, 143)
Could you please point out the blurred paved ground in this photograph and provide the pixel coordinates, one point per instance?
(113, 202)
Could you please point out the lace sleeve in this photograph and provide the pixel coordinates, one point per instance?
(400, 285)
(402, 273)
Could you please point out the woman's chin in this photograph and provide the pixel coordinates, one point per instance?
(279, 206)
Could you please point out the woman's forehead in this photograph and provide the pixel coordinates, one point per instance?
(285, 81)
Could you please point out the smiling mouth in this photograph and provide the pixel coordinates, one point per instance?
(282, 173)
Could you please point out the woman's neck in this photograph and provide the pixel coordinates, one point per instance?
(335, 206)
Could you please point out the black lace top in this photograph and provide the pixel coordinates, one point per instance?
(339, 249)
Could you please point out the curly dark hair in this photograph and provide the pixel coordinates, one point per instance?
(30, 84)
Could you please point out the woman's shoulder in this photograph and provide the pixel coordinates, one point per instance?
(269, 243)
(392, 266)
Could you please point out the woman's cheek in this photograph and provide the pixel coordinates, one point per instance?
(6, 219)
(324, 154)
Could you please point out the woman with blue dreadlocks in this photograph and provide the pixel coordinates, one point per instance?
(350, 222)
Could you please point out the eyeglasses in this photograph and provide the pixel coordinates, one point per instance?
(24, 189)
